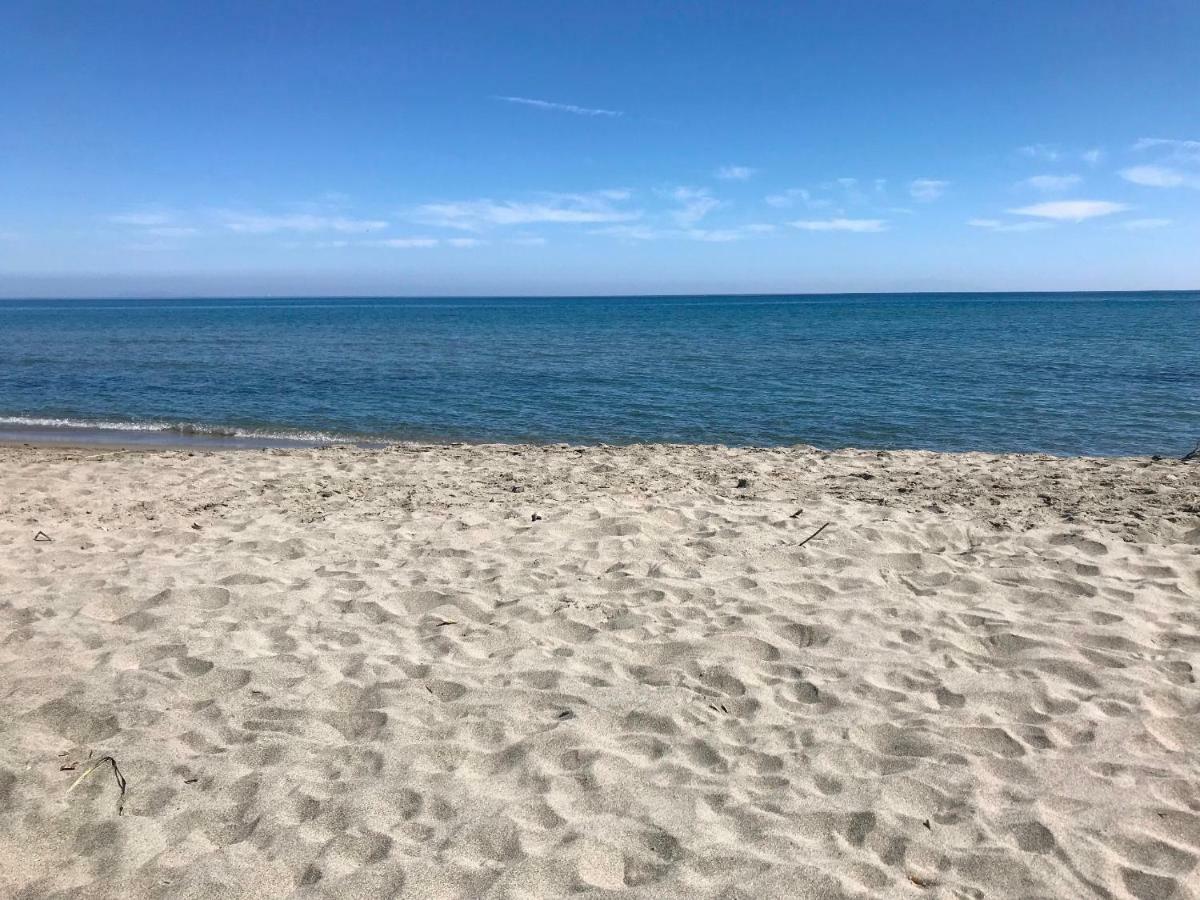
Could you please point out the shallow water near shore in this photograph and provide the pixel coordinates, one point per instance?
(1097, 374)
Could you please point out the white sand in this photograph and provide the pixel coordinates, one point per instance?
(354, 673)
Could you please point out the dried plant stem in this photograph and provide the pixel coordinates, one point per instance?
(117, 772)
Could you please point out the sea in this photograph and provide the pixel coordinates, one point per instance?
(1068, 374)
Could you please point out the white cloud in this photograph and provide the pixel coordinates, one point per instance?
(475, 215)
(1040, 151)
(637, 232)
(1052, 183)
(790, 197)
(707, 235)
(405, 243)
(1145, 224)
(1070, 210)
(141, 219)
(153, 224)
(169, 231)
(926, 190)
(1160, 176)
(997, 225)
(528, 241)
(465, 242)
(695, 204)
(1181, 151)
(247, 223)
(715, 235)
(1092, 157)
(151, 246)
(735, 173)
(850, 188)
(857, 225)
(562, 107)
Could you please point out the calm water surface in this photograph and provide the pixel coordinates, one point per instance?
(1063, 373)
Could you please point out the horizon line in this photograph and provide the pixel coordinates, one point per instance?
(599, 296)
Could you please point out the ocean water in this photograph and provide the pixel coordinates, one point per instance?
(1105, 374)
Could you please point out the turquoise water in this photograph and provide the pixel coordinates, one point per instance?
(1062, 373)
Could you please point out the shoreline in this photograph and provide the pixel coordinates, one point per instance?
(215, 438)
(166, 438)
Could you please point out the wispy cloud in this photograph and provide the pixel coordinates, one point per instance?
(735, 173)
(792, 196)
(695, 204)
(406, 243)
(559, 209)
(1144, 224)
(707, 235)
(850, 189)
(1051, 184)
(173, 231)
(1070, 210)
(1160, 177)
(1046, 152)
(421, 243)
(1180, 151)
(151, 246)
(855, 225)
(529, 240)
(141, 219)
(562, 107)
(253, 223)
(1053, 153)
(926, 190)
(151, 224)
(997, 225)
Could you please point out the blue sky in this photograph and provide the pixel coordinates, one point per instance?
(500, 148)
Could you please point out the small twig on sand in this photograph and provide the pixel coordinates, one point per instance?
(117, 772)
(41, 536)
(814, 534)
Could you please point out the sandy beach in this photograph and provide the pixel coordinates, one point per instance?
(652, 671)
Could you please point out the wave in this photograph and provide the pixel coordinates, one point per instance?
(182, 429)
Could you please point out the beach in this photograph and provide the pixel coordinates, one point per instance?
(643, 671)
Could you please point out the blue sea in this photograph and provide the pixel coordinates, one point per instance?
(1106, 374)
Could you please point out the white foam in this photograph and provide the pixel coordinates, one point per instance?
(181, 428)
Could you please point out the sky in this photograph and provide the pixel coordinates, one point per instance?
(501, 148)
